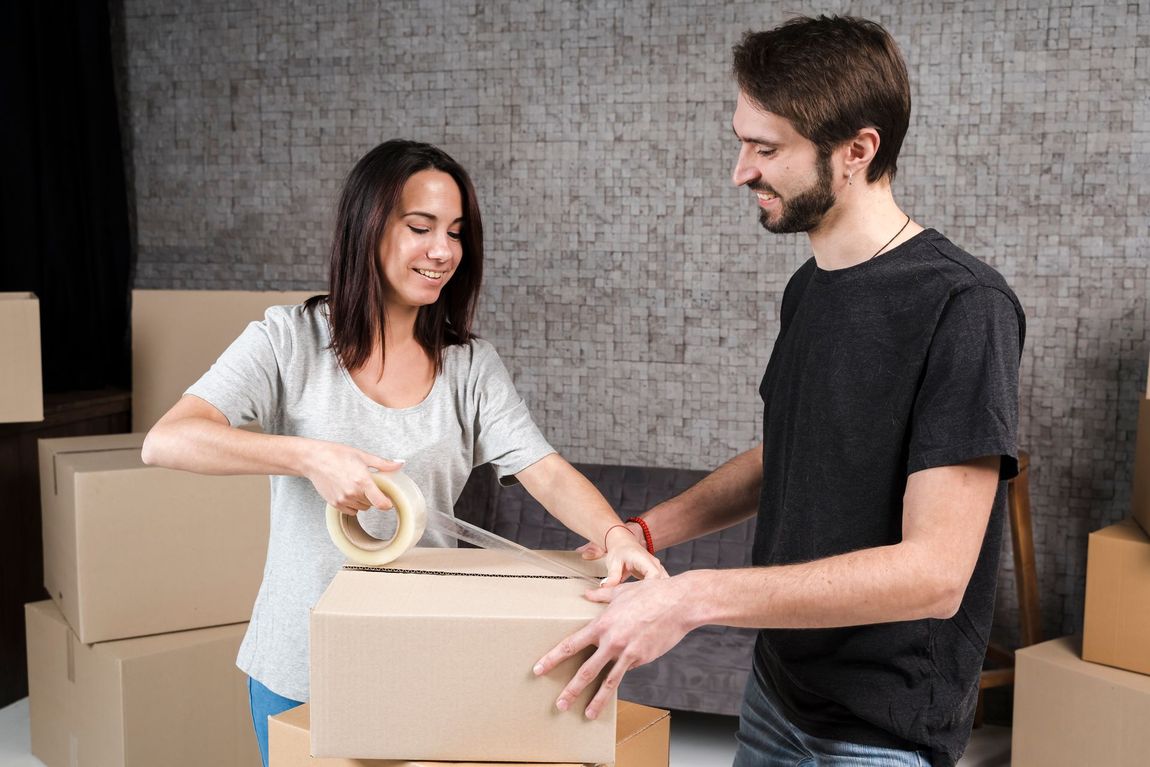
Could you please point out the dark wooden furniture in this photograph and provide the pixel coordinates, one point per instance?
(999, 668)
(21, 553)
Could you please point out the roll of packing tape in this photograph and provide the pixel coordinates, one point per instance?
(362, 547)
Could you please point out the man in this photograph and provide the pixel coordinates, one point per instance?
(889, 428)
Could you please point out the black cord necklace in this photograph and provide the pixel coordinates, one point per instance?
(892, 239)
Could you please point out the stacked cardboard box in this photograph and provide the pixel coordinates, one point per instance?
(21, 392)
(171, 699)
(431, 657)
(152, 572)
(642, 739)
(1071, 713)
(1117, 620)
(132, 550)
(152, 575)
(167, 359)
(1092, 709)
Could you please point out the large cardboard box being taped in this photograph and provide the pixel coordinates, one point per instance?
(175, 700)
(1117, 622)
(1141, 494)
(178, 334)
(21, 387)
(642, 739)
(131, 550)
(1071, 713)
(430, 658)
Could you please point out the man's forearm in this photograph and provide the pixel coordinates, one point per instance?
(725, 497)
(925, 575)
(877, 585)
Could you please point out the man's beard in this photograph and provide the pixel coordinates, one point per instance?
(804, 211)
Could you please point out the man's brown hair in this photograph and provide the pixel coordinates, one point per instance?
(831, 76)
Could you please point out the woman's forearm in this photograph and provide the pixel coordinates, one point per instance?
(205, 447)
(195, 436)
(569, 497)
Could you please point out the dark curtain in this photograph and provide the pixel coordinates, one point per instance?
(64, 231)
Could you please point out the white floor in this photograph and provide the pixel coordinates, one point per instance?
(697, 740)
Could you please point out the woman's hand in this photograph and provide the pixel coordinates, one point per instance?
(626, 555)
(594, 550)
(343, 476)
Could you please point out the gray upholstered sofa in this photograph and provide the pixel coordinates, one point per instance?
(707, 670)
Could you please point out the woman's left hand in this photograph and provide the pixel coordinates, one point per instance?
(626, 556)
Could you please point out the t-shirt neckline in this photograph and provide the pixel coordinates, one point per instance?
(436, 385)
(828, 276)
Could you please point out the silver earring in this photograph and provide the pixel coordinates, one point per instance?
(851, 178)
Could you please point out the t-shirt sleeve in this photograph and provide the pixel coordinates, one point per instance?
(967, 405)
(244, 383)
(506, 435)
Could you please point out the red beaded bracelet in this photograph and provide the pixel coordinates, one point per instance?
(646, 533)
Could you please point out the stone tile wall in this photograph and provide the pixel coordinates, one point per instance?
(630, 287)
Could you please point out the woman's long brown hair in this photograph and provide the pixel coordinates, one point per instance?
(356, 284)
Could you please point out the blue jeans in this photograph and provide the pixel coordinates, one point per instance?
(266, 703)
(767, 739)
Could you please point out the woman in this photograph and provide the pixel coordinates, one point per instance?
(384, 365)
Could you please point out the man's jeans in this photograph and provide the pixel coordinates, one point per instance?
(767, 739)
(265, 703)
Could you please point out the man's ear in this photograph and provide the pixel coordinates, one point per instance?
(859, 151)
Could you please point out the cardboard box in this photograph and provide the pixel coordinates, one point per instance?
(1140, 501)
(131, 550)
(642, 739)
(1070, 713)
(176, 700)
(178, 334)
(430, 658)
(21, 387)
(1117, 620)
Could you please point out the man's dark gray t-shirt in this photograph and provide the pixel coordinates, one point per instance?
(902, 363)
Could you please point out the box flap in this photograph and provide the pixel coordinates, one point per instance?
(633, 719)
(487, 584)
(52, 449)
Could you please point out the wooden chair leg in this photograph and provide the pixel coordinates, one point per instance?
(1000, 662)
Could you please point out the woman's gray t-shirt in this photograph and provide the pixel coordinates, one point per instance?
(282, 374)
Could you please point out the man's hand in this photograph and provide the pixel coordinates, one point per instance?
(644, 619)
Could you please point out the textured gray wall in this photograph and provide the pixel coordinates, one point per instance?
(631, 289)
